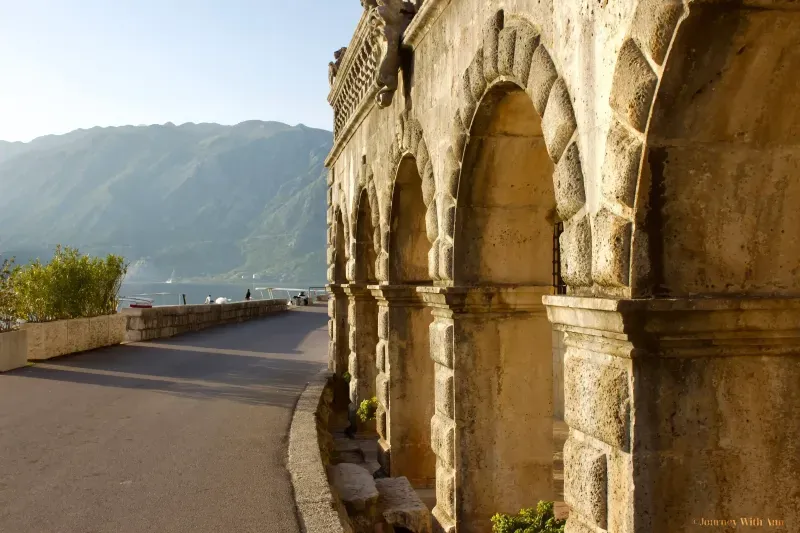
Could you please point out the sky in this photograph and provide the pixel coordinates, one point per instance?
(69, 64)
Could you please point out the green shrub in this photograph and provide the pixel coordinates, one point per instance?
(8, 319)
(71, 285)
(532, 520)
(347, 377)
(367, 409)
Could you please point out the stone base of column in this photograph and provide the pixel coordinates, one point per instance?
(682, 412)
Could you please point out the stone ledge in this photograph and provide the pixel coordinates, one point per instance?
(166, 321)
(317, 508)
(679, 327)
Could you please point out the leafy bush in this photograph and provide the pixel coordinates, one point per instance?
(347, 377)
(367, 409)
(532, 520)
(71, 285)
(8, 319)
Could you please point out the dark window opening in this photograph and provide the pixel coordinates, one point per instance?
(558, 282)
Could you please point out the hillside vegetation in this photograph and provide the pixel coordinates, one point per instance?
(202, 200)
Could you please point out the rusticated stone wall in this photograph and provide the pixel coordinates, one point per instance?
(658, 142)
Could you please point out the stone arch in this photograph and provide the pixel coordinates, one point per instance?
(410, 141)
(410, 144)
(513, 54)
(366, 237)
(673, 92)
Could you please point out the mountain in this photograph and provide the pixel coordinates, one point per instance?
(202, 200)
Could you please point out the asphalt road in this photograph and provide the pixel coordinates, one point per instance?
(187, 434)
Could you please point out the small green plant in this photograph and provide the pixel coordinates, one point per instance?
(367, 409)
(347, 377)
(540, 519)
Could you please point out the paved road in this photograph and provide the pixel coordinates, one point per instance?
(179, 435)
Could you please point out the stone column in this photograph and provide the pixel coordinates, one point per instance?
(682, 412)
(492, 431)
(338, 330)
(363, 316)
(405, 385)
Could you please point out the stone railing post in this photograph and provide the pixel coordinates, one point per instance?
(492, 430)
(405, 385)
(683, 413)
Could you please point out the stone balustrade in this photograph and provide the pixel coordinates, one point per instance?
(166, 321)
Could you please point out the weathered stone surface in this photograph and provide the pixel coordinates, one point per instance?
(444, 391)
(507, 43)
(400, 505)
(13, 350)
(441, 335)
(568, 183)
(558, 122)
(585, 481)
(576, 252)
(541, 79)
(597, 398)
(356, 488)
(654, 25)
(621, 165)
(490, 51)
(527, 42)
(443, 439)
(634, 86)
(611, 249)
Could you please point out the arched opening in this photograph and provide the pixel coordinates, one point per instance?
(504, 349)
(340, 247)
(364, 325)
(409, 367)
(724, 156)
(366, 254)
(408, 241)
(506, 204)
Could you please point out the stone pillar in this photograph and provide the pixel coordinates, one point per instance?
(363, 316)
(338, 330)
(492, 430)
(405, 385)
(681, 412)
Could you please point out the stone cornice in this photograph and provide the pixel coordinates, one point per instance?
(690, 327)
(424, 19)
(357, 291)
(397, 295)
(486, 300)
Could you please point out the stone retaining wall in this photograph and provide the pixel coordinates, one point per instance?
(62, 337)
(310, 444)
(13, 350)
(166, 321)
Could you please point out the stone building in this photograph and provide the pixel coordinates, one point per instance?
(622, 172)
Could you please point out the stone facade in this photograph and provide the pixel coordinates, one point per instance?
(657, 141)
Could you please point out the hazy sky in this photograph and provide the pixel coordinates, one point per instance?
(68, 64)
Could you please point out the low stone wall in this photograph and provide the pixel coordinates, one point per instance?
(13, 350)
(310, 443)
(62, 337)
(166, 321)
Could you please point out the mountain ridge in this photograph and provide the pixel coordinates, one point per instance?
(203, 199)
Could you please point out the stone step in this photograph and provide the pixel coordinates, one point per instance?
(357, 491)
(347, 451)
(401, 507)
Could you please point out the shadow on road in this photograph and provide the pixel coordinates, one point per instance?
(261, 362)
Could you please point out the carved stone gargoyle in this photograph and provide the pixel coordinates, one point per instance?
(333, 66)
(393, 18)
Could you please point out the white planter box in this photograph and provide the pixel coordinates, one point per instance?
(62, 337)
(13, 350)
